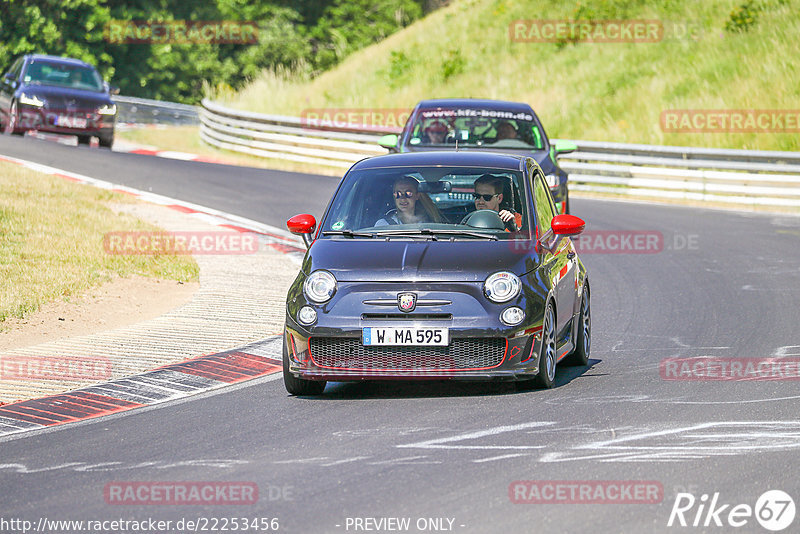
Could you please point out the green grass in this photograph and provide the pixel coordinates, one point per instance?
(591, 91)
(51, 242)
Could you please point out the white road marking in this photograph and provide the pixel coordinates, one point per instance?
(784, 351)
(408, 460)
(689, 442)
(444, 443)
(346, 461)
(502, 457)
(301, 460)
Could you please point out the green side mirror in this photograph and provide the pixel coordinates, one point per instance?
(565, 147)
(388, 141)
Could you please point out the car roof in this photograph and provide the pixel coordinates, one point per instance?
(59, 59)
(474, 103)
(453, 158)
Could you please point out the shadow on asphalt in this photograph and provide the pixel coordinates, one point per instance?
(403, 389)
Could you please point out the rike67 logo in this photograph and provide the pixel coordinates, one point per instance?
(774, 510)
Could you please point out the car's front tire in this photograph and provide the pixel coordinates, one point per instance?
(106, 142)
(13, 118)
(547, 358)
(298, 386)
(583, 339)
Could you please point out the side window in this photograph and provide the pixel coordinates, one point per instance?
(15, 69)
(542, 203)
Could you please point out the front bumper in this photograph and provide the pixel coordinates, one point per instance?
(346, 359)
(48, 120)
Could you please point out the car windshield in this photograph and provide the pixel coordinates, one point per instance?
(477, 128)
(430, 202)
(63, 75)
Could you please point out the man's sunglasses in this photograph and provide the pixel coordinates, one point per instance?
(401, 194)
(486, 198)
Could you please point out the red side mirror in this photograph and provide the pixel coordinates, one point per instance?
(301, 224)
(567, 225)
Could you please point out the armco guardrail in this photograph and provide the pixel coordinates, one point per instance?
(702, 174)
(138, 111)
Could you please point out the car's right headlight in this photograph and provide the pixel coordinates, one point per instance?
(107, 110)
(30, 100)
(502, 286)
(552, 180)
(319, 287)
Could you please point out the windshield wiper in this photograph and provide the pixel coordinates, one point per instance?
(349, 233)
(433, 233)
(409, 233)
(468, 233)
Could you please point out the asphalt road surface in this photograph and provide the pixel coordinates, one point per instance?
(448, 456)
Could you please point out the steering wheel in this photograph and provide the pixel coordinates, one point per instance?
(488, 219)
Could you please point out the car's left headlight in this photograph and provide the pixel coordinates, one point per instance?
(32, 100)
(319, 287)
(502, 286)
(107, 110)
(552, 180)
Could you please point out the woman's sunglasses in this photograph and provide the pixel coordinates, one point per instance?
(486, 198)
(401, 194)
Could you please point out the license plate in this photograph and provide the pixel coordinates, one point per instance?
(71, 122)
(405, 336)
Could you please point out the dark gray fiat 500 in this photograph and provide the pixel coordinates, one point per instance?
(437, 265)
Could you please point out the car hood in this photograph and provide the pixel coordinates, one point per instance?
(60, 97)
(403, 260)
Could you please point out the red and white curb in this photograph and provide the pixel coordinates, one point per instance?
(270, 236)
(169, 382)
(128, 147)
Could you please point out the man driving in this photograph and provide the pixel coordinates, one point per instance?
(488, 195)
(436, 132)
(505, 130)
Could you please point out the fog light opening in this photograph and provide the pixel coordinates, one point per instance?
(307, 315)
(512, 316)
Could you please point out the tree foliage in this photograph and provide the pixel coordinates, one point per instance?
(309, 35)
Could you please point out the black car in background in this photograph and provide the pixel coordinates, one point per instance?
(410, 276)
(57, 95)
(470, 124)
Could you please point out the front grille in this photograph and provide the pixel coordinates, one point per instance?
(461, 354)
(408, 316)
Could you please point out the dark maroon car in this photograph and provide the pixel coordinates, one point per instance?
(57, 95)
